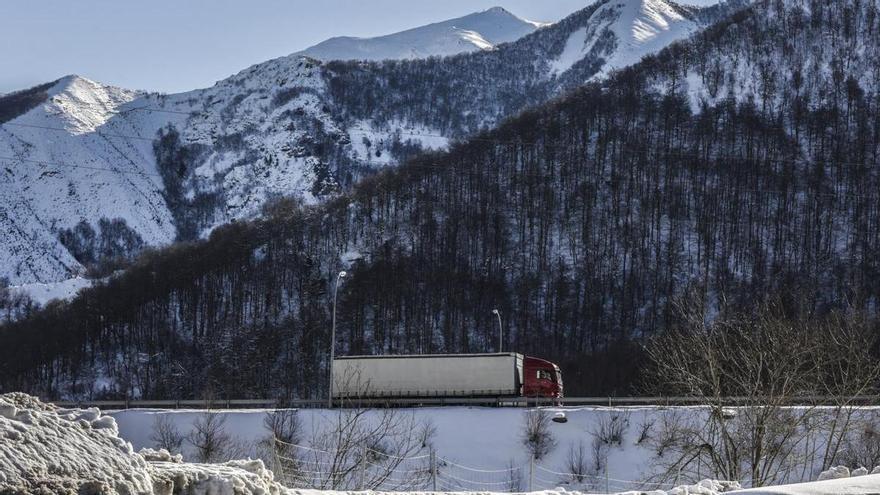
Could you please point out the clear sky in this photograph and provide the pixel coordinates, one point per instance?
(178, 45)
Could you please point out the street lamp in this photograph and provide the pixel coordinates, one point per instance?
(339, 277)
(500, 332)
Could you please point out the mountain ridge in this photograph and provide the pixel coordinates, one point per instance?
(168, 167)
(477, 31)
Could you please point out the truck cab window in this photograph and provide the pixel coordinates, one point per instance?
(544, 375)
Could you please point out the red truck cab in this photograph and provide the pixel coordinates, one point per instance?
(541, 378)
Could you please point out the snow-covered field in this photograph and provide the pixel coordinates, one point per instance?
(45, 449)
(41, 293)
(479, 446)
(474, 438)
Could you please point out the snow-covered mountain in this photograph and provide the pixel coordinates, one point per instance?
(477, 31)
(62, 163)
(638, 29)
(93, 172)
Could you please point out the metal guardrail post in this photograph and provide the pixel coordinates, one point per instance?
(607, 488)
(363, 467)
(433, 471)
(531, 472)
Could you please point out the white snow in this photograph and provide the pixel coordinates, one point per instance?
(861, 485)
(639, 28)
(479, 438)
(43, 293)
(834, 473)
(45, 449)
(574, 51)
(86, 153)
(57, 451)
(478, 31)
(64, 162)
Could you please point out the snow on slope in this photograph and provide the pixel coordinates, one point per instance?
(477, 31)
(63, 163)
(86, 153)
(639, 28)
(41, 293)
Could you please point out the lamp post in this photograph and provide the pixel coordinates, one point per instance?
(339, 278)
(500, 332)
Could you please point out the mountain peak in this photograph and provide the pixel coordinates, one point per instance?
(497, 10)
(477, 31)
(502, 13)
(69, 80)
(639, 27)
(83, 104)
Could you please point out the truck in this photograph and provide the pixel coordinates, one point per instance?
(505, 374)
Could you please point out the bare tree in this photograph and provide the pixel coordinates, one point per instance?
(361, 448)
(646, 427)
(850, 370)
(612, 428)
(166, 435)
(767, 361)
(209, 438)
(578, 462)
(600, 455)
(863, 445)
(284, 431)
(536, 434)
(669, 433)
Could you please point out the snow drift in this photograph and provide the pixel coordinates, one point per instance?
(44, 449)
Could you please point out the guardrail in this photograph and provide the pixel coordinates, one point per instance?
(447, 401)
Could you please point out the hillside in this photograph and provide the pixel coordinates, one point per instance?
(723, 170)
(478, 31)
(95, 172)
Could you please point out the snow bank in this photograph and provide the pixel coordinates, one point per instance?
(238, 477)
(860, 485)
(839, 472)
(44, 449)
(49, 450)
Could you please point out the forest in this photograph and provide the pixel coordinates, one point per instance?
(584, 221)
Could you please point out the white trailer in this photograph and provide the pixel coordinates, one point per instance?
(428, 375)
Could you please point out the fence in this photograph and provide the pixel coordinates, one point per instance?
(363, 468)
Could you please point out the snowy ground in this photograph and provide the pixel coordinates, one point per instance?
(44, 449)
(854, 486)
(477, 444)
(41, 293)
(479, 438)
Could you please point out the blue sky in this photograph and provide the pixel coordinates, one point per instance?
(178, 45)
